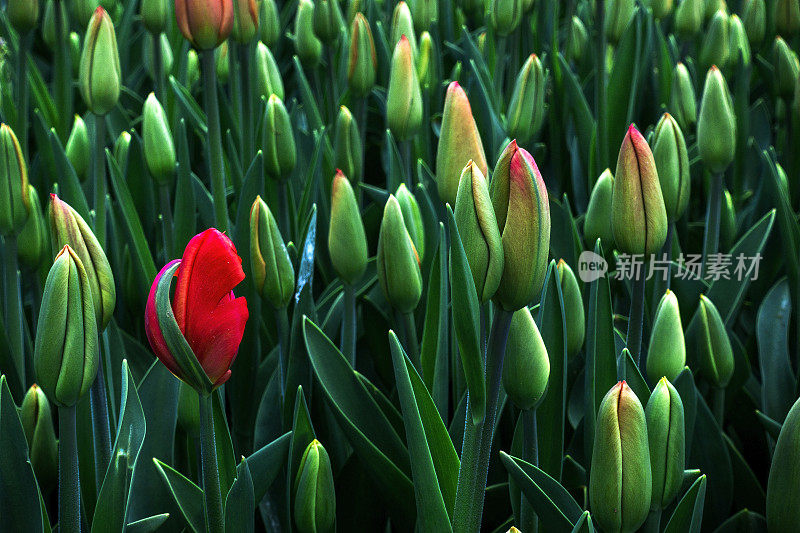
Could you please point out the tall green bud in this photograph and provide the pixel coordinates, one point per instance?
(347, 149)
(268, 76)
(577, 40)
(573, 308)
(672, 163)
(709, 340)
(100, 77)
(660, 8)
(754, 17)
(155, 15)
(424, 13)
(347, 242)
(666, 433)
(683, 102)
(526, 109)
(167, 60)
(597, 223)
(727, 229)
(362, 61)
(412, 216)
(245, 20)
(426, 61)
(23, 14)
(689, 18)
(403, 24)
(315, 498)
(273, 273)
(505, 16)
(223, 62)
(717, 42)
(740, 44)
(787, 17)
(269, 23)
(787, 68)
(280, 154)
(403, 99)
(306, 43)
(618, 16)
(716, 126)
(783, 485)
(14, 206)
(37, 423)
(667, 353)
(159, 150)
(526, 366)
(32, 242)
(328, 20)
(49, 23)
(397, 261)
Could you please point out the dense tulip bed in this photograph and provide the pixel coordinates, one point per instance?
(375, 265)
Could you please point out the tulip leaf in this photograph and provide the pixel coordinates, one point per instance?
(575, 102)
(69, 186)
(629, 371)
(226, 460)
(240, 502)
(554, 490)
(265, 464)
(307, 97)
(41, 95)
(191, 108)
(186, 494)
(743, 521)
(151, 524)
(772, 333)
(302, 435)
(584, 525)
(747, 490)
(688, 514)
(431, 512)
(710, 455)
(684, 384)
(772, 427)
(436, 334)
(466, 322)
(185, 210)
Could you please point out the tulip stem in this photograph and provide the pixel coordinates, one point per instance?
(411, 343)
(283, 207)
(530, 453)
(405, 154)
(217, 163)
(102, 432)
(349, 324)
(13, 307)
(600, 83)
(467, 474)
(248, 136)
(719, 405)
(62, 79)
(69, 490)
(166, 213)
(208, 452)
(158, 68)
(99, 162)
(636, 321)
(22, 92)
(282, 325)
(711, 237)
(499, 61)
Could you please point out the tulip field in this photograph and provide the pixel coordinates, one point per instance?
(400, 266)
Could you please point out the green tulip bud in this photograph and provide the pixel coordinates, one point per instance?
(505, 16)
(121, 149)
(166, 55)
(783, 179)
(727, 227)
(424, 13)
(597, 223)
(188, 409)
(66, 355)
(280, 155)
(783, 485)
(270, 23)
(526, 110)
(689, 18)
(412, 217)
(716, 126)
(618, 16)
(621, 482)
(82, 10)
(459, 142)
(477, 227)
(347, 242)
(717, 42)
(481, 47)
(666, 356)
(328, 20)
(67, 227)
(638, 215)
(268, 77)
(362, 62)
(78, 149)
(682, 99)
(526, 365)
(100, 76)
(37, 423)
(315, 498)
(426, 61)
(521, 205)
(306, 43)
(712, 6)
(577, 40)
(397, 260)
(223, 62)
(32, 241)
(49, 23)
(573, 308)
(273, 273)
(787, 68)
(192, 68)
(23, 14)
(660, 8)
(740, 44)
(245, 20)
(159, 150)
(347, 145)
(672, 164)
(710, 341)
(787, 17)
(403, 24)
(14, 206)
(666, 434)
(75, 47)
(155, 15)
(403, 99)
(754, 17)
(353, 8)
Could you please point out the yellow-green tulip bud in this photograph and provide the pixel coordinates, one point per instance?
(577, 40)
(479, 232)
(459, 142)
(666, 356)
(505, 16)
(273, 273)
(347, 145)
(424, 13)
(597, 223)
(14, 205)
(121, 149)
(727, 229)
(620, 485)
(526, 366)
(716, 125)
(347, 242)
(268, 76)
(192, 68)
(315, 498)
(82, 10)
(683, 104)
(787, 68)
(204, 23)
(78, 149)
(712, 6)
(362, 61)
(32, 241)
(783, 485)
(100, 76)
(166, 55)
(403, 24)
(526, 109)
(710, 342)
(155, 15)
(573, 308)
(660, 8)
(280, 154)
(306, 43)
(66, 355)
(397, 260)
(740, 44)
(403, 99)
(717, 42)
(666, 434)
(426, 61)
(638, 215)
(75, 53)
(412, 217)
(787, 17)
(269, 23)
(37, 423)
(754, 17)
(159, 150)
(23, 14)
(223, 62)
(245, 20)
(522, 208)
(49, 23)
(328, 20)
(618, 16)
(689, 18)
(672, 163)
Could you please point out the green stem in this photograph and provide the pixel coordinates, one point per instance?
(62, 79)
(166, 213)
(283, 207)
(408, 174)
(499, 62)
(102, 432)
(248, 135)
(467, 474)
(600, 84)
(711, 236)
(99, 162)
(158, 68)
(13, 307)
(215, 522)
(636, 320)
(69, 490)
(22, 92)
(530, 453)
(412, 343)
(361, 105)
(282, 325)
(668, 251)
(349, 324)
(217, 163)
(719, 405)
(334, 90)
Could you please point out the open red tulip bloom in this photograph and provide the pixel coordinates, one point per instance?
(208, 314)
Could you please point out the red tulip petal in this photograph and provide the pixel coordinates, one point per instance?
(222, 329)
(153, 328)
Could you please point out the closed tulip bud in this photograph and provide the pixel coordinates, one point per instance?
(100, 77)
(78, 149)
(505, 15)
(192, 68)
(347, 145)
(740, 44)
(526, 365)
(280, 155)
(67, 227)
(666, 356)
(618, 17)
(573, 308)
(661, 8)
(717, 42)
(121, 149)
(638, 215)
(577, 40)
(347, 242)
(754, 17)
(666, 434)
(597, 223)
(306, 44)
(222, 63)
(245, 20)
(672, 164)
(75, 47)
(166, 55)
(82, 10)
(14, 205)
(362, 62)
(328, 20)
(783, 485)
(787, 17)
(424, 13)
(459, 141)
(398, 263)
(787, 68)
(710, 342)
(412, 217)
(621, 482)
(477, 227)
(204, 23)
(716, 125)
(403, 24)
(727, 229)
(37, 423)
(32, 241)
(683, 103)
(66, 356)
(689, 18)
(155, 15)
(526, 109)
(521, 205)
(273, 273)
(49, 23)
(481, 44)
(269, 23)
(403, 99)
(268, 77)
(426, 61)
(23, 14)
(159, 150)
(315, 498)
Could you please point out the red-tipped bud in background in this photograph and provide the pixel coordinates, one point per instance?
(205, 23)
(100, 77)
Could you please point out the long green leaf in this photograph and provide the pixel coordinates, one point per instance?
(772, 333)
(688, 515)
(240, 502)
(187, 495)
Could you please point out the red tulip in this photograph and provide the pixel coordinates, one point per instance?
(210, 317)
(205, 23)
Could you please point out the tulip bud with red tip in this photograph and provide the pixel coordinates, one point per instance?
(14, 205)
(100, 77)
(716, 125)
(404, 98)
(205, 23)
(245, 20)
(362, 62)
(347, 241)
